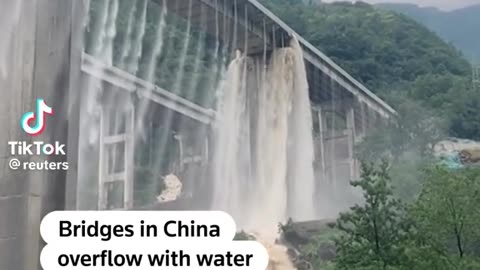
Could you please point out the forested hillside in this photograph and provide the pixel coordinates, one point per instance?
(461, 27)
(416, 214)
(397, 58)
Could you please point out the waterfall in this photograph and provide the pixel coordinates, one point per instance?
(133, 58)
(127, 44)
(106, 54)
(301, 149)
(149, 73)
(275, 100)
(231, 163)
(263, 165)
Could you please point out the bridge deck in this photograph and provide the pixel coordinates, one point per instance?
(248, 25)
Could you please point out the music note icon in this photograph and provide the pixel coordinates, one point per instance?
(39, 117)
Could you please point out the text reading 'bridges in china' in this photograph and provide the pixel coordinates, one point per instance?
(146, 240)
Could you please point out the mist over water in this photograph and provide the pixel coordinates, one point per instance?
(264, 146)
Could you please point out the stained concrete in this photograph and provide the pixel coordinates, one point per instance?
(37, 62)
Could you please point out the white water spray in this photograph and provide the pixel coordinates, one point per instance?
(158, 44)
(301, 146)
(275, 97)
(150, 71)
(264, 145)
(106, 54)
(126, 44)
(138, 42)
(102, 50)
(231, 163)
(183, 56)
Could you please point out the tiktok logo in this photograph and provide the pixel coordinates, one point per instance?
(38, 117)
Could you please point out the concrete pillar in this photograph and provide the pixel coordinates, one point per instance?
(17, 65)
(476, 77)
(37, 65)
(321, 128)
(346, 109)
(374, 120)
(203, 192)
(363, 115)
(350, 120)
(329, 142)
(77, 81)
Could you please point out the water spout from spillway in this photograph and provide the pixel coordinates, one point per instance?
(301, 153)
(231, 163)
(149, 73)
(263, 166)
(126, 44)
(133, 58)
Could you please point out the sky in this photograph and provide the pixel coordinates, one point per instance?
(441, 4)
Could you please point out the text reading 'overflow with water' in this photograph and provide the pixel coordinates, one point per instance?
(146, 240)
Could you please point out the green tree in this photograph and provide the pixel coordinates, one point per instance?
(394, 56)
(464, 116)
(407, 143)
(447, 217)
(372, 234)
(415, 128)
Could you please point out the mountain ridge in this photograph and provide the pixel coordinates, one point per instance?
(460, 27)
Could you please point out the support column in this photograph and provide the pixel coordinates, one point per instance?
(363, 119)
(79, 15)
(203, 190)
(17, 53)
(374, 120)
(321, 128)
(179, 139)
(330, 139)
(129, 157)
(350, 120)
(51, 23)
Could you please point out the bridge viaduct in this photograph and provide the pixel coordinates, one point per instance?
(46, 60)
